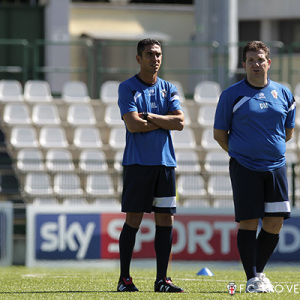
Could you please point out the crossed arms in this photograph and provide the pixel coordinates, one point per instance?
(172, 121)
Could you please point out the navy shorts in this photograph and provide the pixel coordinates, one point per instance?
(259, 194)
(149, 188)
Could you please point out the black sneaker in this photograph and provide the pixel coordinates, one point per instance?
(165, 285)
(126, 285)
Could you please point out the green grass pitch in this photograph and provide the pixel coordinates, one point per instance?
(19, 282)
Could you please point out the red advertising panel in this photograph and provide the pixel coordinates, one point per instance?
(195, 237)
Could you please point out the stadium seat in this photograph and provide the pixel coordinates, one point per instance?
(219, 186)
(23, 137)
(206, 115)
(187, 161)
(223, 203)
(87, 137)
(45, 201)
(16, 114)
(203, 202)
(118, 161)
(208, 142)
(99, 185)
(216, 161)
(37, 91)
(30, 160)
(11, 91)
(112, 116)
(67, 184)
(59, 160)
(75, 91)
(45, 114)
(109, 91)
(75, 201)
(184, 139)
(117, 138)
(38, 184)
(91, 161)
(190, 186)
(53, 137)
(207, 92)
(81, 114)
(107, 202)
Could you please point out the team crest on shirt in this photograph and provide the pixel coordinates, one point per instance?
(164, 93)
(274, 94)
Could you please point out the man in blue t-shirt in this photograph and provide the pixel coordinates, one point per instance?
(150, 108)
(254, 119)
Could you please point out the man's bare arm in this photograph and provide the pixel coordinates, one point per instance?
(135, 123)
(172, 121)
(288, 133)
(221, 136)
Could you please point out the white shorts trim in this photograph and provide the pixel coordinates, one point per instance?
(277, 207)
(164, 201)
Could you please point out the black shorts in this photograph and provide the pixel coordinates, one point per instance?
(149, 188)
(259, 194)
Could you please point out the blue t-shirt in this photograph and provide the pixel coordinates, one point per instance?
(153, 147)
(256, 119)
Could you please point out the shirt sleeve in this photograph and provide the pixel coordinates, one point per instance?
(174, 99)
(126, 99)
(291, 115)
(223, 113)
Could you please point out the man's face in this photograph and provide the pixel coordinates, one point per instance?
(256, 65)
(151, 58)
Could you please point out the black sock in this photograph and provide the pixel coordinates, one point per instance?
(126, 245)
(246, 242)
(266, 244)
(163, 245)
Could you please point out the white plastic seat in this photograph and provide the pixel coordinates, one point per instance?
(217, 162)
(107, 202)
(109, 91)
(45, 201)
(208, 142)
(91, 161)
(117, 138)
(118, 159)
(16, 114)
(219, 186)
(38, 184)
(53, 137)
(30, 160)
(99, 185)
(59, 160)
(75, 201)
(23, 137)
(223, 203)
(37, 91)
(207, 92)
(11, 91)
(203, 202)
(75, 91)
(206, 115)
(112, 115)
(45, 114)
(190, 186)
(184, 139)
(81, 114)
(187, 161)
(67, 184)
(87, 137)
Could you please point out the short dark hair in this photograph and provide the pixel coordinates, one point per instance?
(255, 46)
(145, 42)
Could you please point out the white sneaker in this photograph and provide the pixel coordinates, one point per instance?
(255, 285)
(266, 281)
